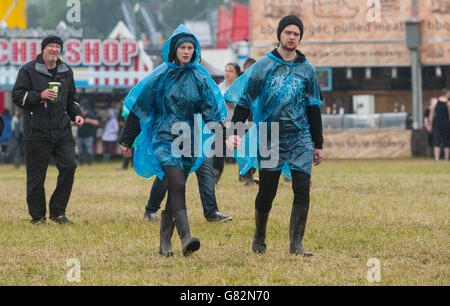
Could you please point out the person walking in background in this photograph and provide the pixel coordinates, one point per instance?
(110, 134)
(232, 72)
(16, 149)
(47, 120)
(440, 124)
(123, 117)
(2, 126)
(428, 129)
(282, 93)
(87, 133)
(168, 97)
(247, 64)
(5, 137)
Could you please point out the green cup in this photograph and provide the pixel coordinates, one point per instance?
(55, 87)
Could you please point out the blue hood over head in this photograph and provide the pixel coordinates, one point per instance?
(169, 47)
(169, 96)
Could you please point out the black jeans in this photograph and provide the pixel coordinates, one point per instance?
(268, 185)
(38, 156)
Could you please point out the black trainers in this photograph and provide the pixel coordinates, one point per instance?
(61, 220)
(40, 221)
(218, 217)
(151, 217)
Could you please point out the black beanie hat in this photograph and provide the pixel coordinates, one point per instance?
(287, 20)
(51, 40)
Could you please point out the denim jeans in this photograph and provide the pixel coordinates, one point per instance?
(85, 147)
(205, 179)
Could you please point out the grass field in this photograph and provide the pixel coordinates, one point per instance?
(396, 211)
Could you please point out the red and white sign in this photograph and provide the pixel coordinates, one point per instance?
(87, 52)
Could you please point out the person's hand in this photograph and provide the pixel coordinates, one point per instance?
(317, 157)
(233, 142)
(126, 152)
(79, 121)
(49, 94)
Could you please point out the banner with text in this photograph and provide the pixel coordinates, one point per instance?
(354, 32)
(367, 144)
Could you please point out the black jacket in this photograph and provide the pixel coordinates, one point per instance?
(41, 123)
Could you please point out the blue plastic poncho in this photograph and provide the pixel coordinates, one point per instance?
(277, 94)
(166, 102)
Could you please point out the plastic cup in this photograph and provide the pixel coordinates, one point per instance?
(55, 87)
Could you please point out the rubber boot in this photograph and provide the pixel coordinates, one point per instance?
(189, 244)
(299, 215)
(165, 234)
(259, 244)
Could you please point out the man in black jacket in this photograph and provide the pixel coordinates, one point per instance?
(47, 128)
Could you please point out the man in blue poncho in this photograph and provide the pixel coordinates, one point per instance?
(165, 102)
(281, 92)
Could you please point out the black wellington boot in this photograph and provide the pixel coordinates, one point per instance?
(189, 244)
(165, 234)
(259, 244)
(299, 215)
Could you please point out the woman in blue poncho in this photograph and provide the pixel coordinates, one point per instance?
(165, 104)
(282, 93)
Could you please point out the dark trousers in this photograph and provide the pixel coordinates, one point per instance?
(268, 185)
(38, 156)
(205, 178)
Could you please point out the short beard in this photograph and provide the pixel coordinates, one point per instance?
(287, 48)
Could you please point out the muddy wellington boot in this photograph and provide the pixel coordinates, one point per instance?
(259, 243)
(189, 244)
(299, 215)
(165, 234)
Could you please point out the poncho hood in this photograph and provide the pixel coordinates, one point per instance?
(168, 45)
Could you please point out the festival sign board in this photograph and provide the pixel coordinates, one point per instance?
(346, 33)
(92, 60)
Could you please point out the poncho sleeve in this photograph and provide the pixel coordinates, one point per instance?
(140, 100)
(212, 105)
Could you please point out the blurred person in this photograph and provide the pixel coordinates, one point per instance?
(87, 133)
(2, 126)
(122, 119)
(170, 95)
(110, 134)
(428, 129)
(6, 135)
(247, 64)
(281, 92)
(16, 149)
(440, 124)
(47, 128)
(232, 72)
